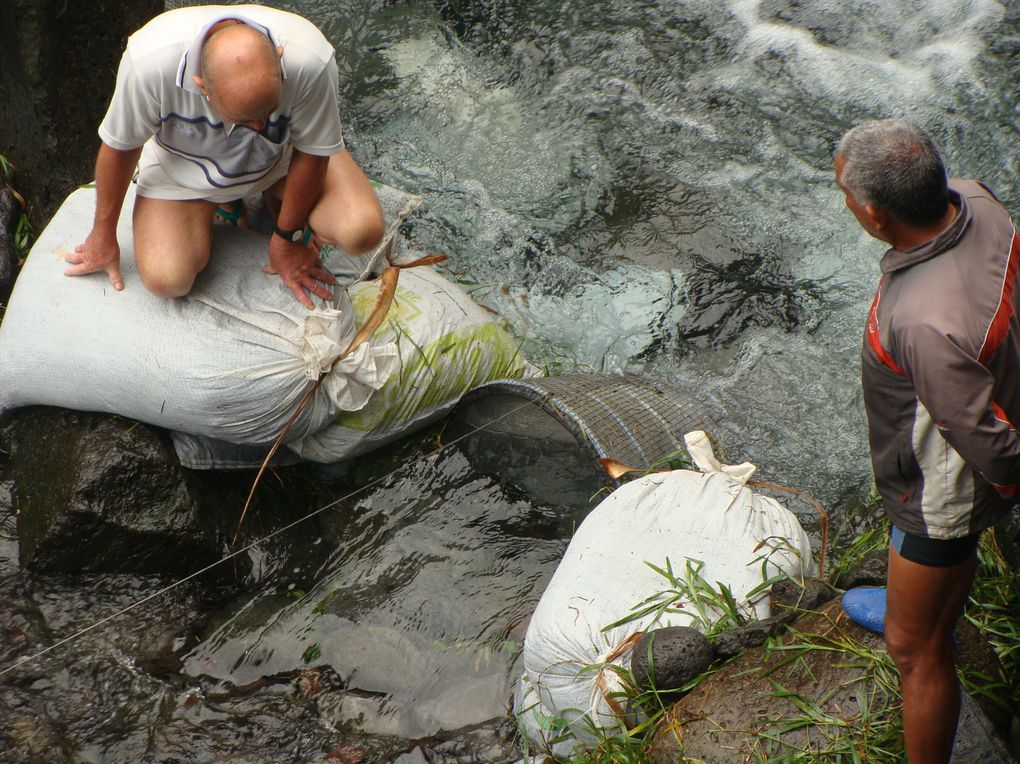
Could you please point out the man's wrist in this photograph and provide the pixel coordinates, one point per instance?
(292, 235)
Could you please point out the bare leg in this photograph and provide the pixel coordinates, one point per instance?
(347, 214)
(173, 240)
(924, 603)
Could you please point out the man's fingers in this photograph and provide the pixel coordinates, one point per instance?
(301, 295)
(322, 275)
(77, 270)
(116, 280)
(319, 291)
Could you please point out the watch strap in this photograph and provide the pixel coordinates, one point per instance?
(295, 234)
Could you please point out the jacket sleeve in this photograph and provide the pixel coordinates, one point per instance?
(957, 392)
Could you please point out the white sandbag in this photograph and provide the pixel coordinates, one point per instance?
(446, 345)
(229, 361)
(712, 517)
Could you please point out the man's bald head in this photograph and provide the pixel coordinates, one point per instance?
(241, 72)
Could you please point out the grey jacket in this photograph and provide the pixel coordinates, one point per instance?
(941, 373)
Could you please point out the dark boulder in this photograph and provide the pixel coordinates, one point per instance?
(789, 599)
(871, 571)
(102, 494)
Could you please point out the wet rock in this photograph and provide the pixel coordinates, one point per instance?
(872, 571)
(789, 599)
(10, 210)
(23, 628)
(797, 596)
(732, 643)
(668, 658)
(103, 494)
(55, 83)
(976, 739)
(828, 686)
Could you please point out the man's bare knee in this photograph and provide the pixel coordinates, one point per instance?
(368, 235)
(912, 652)
(164, 285)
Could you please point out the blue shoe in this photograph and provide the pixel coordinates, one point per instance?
(865, 606)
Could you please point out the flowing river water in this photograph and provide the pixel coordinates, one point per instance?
(633, 186)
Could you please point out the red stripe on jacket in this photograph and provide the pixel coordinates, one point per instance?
(874, 341)
(999, 327)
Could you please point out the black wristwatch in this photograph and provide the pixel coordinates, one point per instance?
(295, 235)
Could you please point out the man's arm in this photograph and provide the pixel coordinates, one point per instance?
(100, 251)
(957, 391)
(298, 267)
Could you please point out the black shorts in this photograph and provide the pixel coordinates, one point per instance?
(936, 553)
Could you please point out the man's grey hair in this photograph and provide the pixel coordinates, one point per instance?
(895, 166)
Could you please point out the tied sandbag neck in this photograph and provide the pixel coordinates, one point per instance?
(387, 290)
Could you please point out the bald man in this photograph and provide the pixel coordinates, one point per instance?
(212, 104)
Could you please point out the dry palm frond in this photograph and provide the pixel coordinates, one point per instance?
(387, 289)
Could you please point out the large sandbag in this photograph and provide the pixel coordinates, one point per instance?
(737, 537)
(445, 345)
(225, 367)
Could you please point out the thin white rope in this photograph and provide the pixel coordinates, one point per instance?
(253, 544)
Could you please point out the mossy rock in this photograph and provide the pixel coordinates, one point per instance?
(97, 493)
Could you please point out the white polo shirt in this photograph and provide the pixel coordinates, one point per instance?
(189, 151)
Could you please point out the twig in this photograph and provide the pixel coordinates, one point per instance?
(387, 288)
(607, 694)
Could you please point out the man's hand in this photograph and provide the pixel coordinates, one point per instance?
(99, 252)
(299, 267)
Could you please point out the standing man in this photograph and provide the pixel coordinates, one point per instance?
(941, 378)
(218, 102)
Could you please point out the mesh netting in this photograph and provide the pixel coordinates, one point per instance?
(636, 422)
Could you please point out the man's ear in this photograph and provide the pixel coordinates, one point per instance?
(279, 51)
(878, 216)
(201, 84)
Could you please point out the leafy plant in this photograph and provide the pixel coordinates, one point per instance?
(994, 608)
(712, 609)
(24, 235)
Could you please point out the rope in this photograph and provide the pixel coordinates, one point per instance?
(252, 545)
